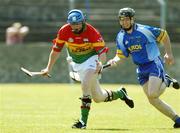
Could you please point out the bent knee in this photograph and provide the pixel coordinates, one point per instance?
(153, 95)
(153, 101)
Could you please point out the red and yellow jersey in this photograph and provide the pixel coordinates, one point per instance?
(80, 46)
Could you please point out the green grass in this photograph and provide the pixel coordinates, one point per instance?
(52, 108)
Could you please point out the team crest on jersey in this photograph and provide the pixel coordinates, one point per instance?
(85, 40)
(70, 40)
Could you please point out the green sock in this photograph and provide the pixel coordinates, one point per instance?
(117, 94)
(85, 107)
(84, 114)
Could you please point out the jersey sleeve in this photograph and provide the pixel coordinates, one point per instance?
(59, 41)
(159, 33)
(98, 42)
(120, 54)
(122, 51)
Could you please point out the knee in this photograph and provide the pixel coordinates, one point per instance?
(152, 95)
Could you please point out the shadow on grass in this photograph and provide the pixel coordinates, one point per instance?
(121, 129)
(109, 129)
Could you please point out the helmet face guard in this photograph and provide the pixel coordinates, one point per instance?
(75, 16)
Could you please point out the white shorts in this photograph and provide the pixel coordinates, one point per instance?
(88, 64)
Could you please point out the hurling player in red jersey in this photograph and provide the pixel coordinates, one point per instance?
(87, 49)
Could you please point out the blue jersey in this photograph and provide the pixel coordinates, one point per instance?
(141, 44)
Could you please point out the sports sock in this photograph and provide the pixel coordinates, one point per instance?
(118, 94)
(113, 95)
(85, 108)
(177, 120)
(84, 114)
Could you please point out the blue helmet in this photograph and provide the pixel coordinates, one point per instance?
(75, 16)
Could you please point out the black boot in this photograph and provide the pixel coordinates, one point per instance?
(79, 124)
(127, 99)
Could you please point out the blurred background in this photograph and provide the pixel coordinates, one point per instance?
(45, 17)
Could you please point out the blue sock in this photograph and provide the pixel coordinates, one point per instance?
(177, 120)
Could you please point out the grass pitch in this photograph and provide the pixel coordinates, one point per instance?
(52, 108)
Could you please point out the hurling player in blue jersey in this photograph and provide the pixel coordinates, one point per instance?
(141, 42)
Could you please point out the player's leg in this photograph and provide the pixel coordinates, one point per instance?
(103, 95)
(159, 92)
(86, 99)
(151, 78)
(85, 71)
(154, 86)
(175, 85)
(151, 89)
(85, 108)
(155, 69)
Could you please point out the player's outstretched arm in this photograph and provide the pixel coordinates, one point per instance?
(114, 61)
(52, 59)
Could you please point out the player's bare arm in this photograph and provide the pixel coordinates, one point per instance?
(52, 59)
(169, 58)
(116, 61)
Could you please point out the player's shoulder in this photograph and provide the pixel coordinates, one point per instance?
(120, 34)
(91, 28)
(142, 26)
(65, 27)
